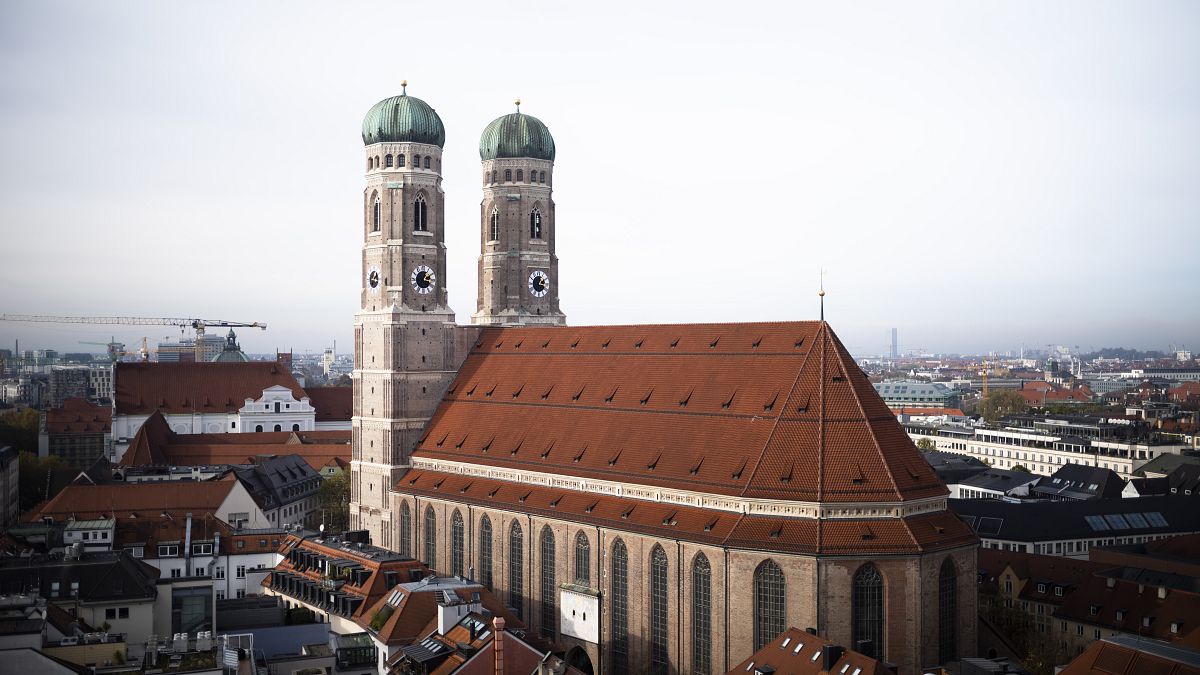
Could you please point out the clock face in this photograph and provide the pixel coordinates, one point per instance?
(539, 283)
(373, 279)
(423, 279)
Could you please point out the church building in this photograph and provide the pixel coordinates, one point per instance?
(648, 498)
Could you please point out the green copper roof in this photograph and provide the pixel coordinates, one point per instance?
(403, 118)
(516, 135)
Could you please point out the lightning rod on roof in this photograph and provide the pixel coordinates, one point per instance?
(821, 294)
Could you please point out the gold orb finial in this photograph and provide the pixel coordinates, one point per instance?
(821, 292)
(403, 86)
(518, 102)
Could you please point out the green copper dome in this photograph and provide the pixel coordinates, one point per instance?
(403, 118)
(516, 135)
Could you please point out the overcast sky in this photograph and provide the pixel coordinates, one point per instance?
(979, 175)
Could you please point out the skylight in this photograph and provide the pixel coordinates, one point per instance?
(1117, 521)
(1096, 523)
(1156, 519)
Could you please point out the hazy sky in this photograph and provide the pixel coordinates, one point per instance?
(978, 174)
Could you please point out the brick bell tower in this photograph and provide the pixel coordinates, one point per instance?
(518, 268)
(404, 334)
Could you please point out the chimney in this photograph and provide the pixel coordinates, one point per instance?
(833, 654)
(498, 644)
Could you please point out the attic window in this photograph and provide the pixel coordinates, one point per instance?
(488, 445)
(493, 493)
(490, 391)
(546, 394)
(674, 343)
(518, 345)
(438, 485)
(463, 489)
(770, 405)
(471, 391)
(459, 444)
(710, 525)
(545, 344)
(654, 463)
(729, 401)
(787, 478)
(578, 393)
(696, 469)
(518, 391)
(684, 401)
(625, 516)
(777, 532)
(803, 407)
(610, 397)
(670, 520)
(523, 497)
(514, 451)
(713, 344)
(738, 474)
(868, 535)
(799, 343)
(604, 345)
(554, 504)
(638, 344)
(499, 344)
(581, 453)
(756, 343)
(575, 343)
(646, 399)
(452, 388)
(546, 452)
(613, 461)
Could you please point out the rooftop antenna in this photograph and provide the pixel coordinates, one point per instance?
(821, 294)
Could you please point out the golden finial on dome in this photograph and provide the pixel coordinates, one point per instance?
(404, 87)
(518, 102)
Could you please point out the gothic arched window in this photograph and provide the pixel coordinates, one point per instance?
(387, 161)
(620, 608)
(486, 175)
(516, 569)
(420, 221)
(495, 175)
(948, 612)
(549, 587)
(494, 227)
(659, 662)
(583, 560)
(508, 175)
(376, 213)
(456, 544)
(535, 224)
(399, 160)
(426, 161)
(867, 611)
(701, 615)
(485, 552)
(520, 175)
(405, 529)
(416, 161)
(769, 615)
(430, 538)
(542, 177)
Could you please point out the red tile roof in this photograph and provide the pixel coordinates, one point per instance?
(119, 500)
(794, 650)
(1105, 658)
(79, 416)
(333, 404)
(761, 410)
(141, 388)
(156, 445)
(1140, 609)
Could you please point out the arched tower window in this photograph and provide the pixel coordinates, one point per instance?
(701, 615)
(405, 529)
(535, 224)
(426, 161)
(387, 161)
(549, 587)
(486, 175)
(416, 161)
(659, 662)
(583, 560)
(520, 175)
(516, 570)
(867, 612)
(494, 226)
(456, 544)
(399, 160)
(542, 177)
(947, 612)
(485, 552)
(769, 615)
(495, 175)
(420, 221)
(508, 175)
(430, 538)
(620, 609)
(376, 213)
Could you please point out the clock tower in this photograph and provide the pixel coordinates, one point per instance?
(518, 268)
(404, 332)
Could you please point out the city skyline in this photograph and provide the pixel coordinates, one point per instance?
(994, 167)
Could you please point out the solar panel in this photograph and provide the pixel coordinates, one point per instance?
(1096, 523)
(1156, 519)
(1117, 521)
(990, 525)
(1136, 520)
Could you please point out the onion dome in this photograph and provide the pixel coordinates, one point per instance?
(516, 135)
(403, 118)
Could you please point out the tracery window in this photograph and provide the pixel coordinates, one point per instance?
(583, 560)
(769, 589)
(485, 552)
(430, 537)
(701, 615)
(947, 612)
(494, 228)
(549, 587)
(620, 609)
(535, 224)
(516, 570)
(376, 212)
(456, 544)
(387, 161)
(405, 529)
(867, 611)
(420, 221)
(659, 662)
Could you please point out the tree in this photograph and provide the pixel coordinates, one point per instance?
(1001, 402)
(19, 428)
(335, 501)
(41, 478)
(926, 444)
(1021, 468)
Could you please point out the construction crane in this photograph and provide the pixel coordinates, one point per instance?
(198, 325)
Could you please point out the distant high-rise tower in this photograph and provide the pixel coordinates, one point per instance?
(895, 343)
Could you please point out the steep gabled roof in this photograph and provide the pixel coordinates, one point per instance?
(119, 500)
(155, 444)
(333, 404)
(140, 388)
(760, 410)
